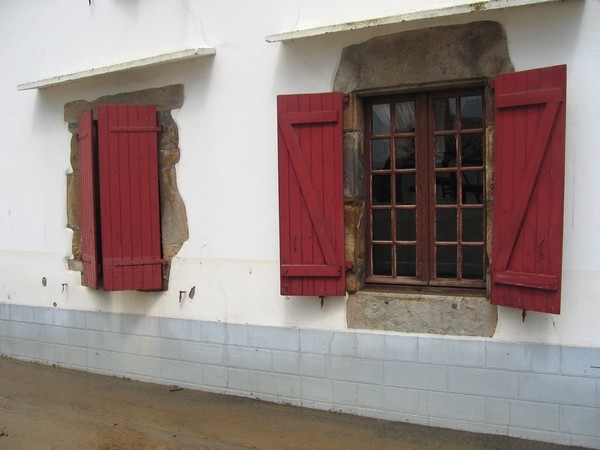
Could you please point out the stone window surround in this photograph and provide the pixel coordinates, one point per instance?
(447, 57)
(174, 228)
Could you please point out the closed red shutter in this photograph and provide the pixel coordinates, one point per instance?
(529, 159)
(88, 200)
(129, 197)
(311, 198)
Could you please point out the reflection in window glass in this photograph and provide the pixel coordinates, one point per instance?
(472, 188)
(472, 263)
(405, 117)
(445, 151)
(406, 229)
(471, 112)
(445, 113)
(405, 153)
(380, 154)
(445, 262)
(406, 257)
(381, 119)
(405, 189)
(445, 225)
(445, 188)
(472, 225)
(472, 149)
(382, 260)
(382, 225)
(381, 189)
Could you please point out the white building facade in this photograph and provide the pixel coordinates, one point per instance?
(403, 342)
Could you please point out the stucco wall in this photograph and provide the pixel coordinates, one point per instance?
(227, 173)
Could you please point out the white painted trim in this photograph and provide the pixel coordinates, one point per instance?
(465, 8)
(180, 55)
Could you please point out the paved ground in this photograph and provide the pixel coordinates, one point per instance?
(44, 407)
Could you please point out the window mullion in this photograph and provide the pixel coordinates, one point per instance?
(424, 185)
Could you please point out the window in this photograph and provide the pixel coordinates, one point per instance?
(121, 243)
(426, 199)
(426, 189)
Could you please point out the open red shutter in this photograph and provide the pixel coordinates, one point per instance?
(88, 200)
(129, 197)
(529, 160)
(311, 198)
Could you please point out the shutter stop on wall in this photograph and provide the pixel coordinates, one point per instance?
(524, 315)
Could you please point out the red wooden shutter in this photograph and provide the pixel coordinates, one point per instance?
(129, 197)
(529, 162)
(311, 197)
(88, 200)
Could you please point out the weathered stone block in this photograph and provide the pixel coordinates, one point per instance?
(173, 214)
(354, 181)
(419, 313)
(73, 201)
(165, 98)
(353, 113)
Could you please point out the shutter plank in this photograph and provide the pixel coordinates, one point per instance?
(311, 194)
(529, 185)
(132, 253)
(88, 201)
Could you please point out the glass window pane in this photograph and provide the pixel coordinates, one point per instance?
(445, 188)
(382, 225)
(472, 188)
(382, 260)
(445, 151)
(472, 263)
(445, 225)
(380, 154)
(380, 119)
(471, 112)
(472, 225)
(445, 262)
(445, 113)
(405, 189)
(472, 149)
(405, 117)
(381, 189)
(406, 225)
(405, 153)
(406, 261)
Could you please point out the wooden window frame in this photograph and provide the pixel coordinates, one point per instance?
(425, 175)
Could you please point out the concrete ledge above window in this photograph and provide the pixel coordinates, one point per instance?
(408, 16)
(155, 60)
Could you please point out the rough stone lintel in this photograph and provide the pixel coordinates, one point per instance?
(165, 98)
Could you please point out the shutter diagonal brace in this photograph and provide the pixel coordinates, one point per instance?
(286, 120)
(553, 99)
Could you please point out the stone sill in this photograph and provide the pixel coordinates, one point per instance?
(416, 312)
(179, 55)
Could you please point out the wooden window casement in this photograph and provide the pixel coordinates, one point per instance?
(425, 185)
(119, 192)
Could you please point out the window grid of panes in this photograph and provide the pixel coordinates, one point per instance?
(425, 189)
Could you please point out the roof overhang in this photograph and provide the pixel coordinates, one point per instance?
(175, 56)
(408, 16)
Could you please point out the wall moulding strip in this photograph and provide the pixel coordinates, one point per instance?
(179, 55)
(465, 8)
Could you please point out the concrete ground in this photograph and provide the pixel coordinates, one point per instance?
(45, 407)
